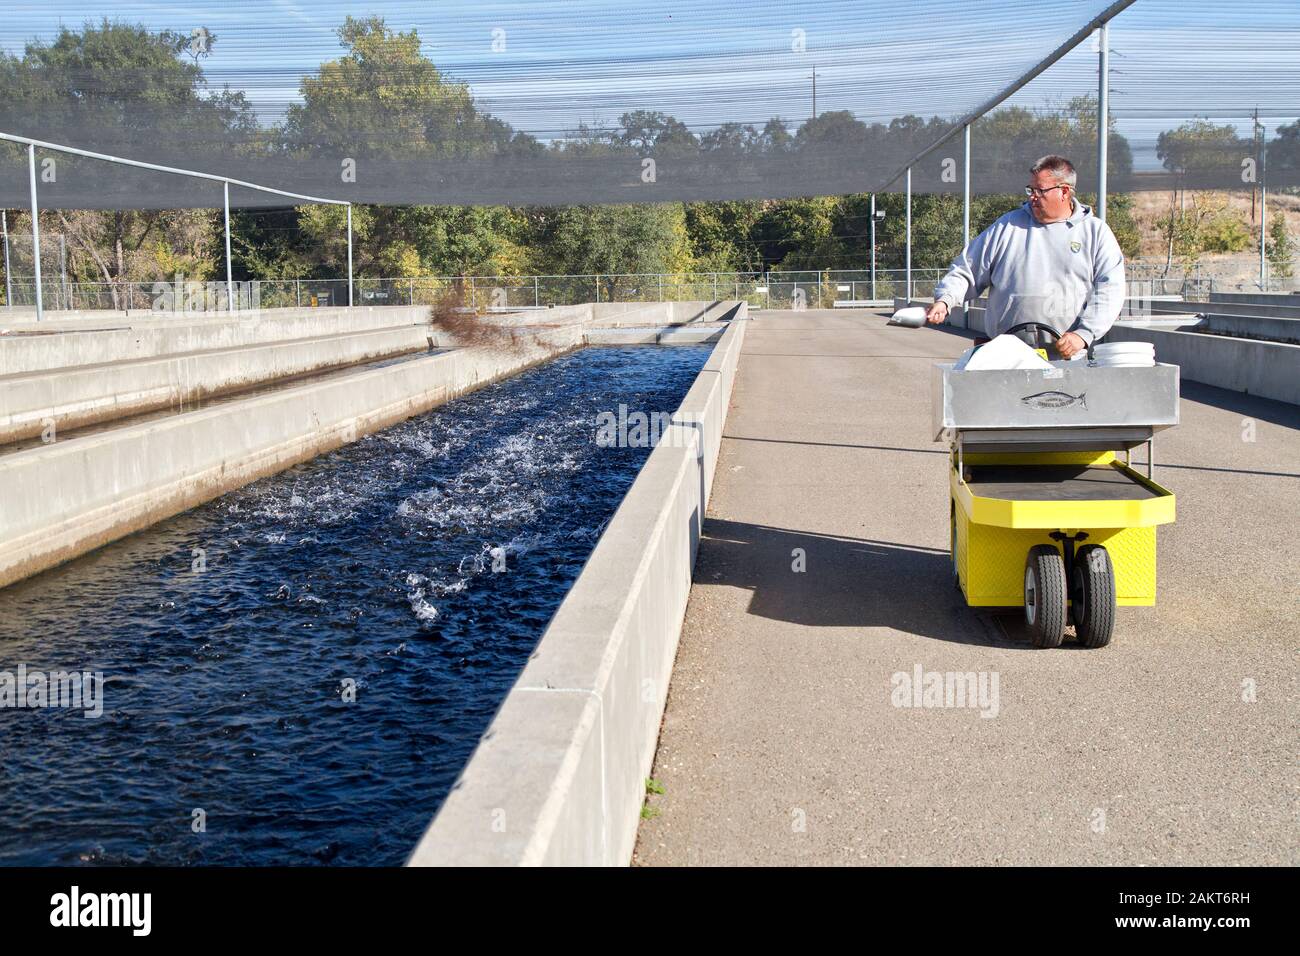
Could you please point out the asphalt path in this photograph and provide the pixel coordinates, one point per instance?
(784, 741)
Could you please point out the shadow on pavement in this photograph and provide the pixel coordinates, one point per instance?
(847, 582)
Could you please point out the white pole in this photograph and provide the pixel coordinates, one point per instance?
(349, 254)
(36, 230)
(1103, 117)
(1263, 216)
(873, 247)
(9, 290)
(907, 296)
(965, 190)
(63, 271)
(230, 290)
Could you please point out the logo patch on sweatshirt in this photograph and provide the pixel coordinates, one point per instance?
(1076, 245)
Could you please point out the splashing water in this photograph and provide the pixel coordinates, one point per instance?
(296, 672)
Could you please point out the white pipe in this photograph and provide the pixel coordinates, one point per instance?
(36, 229)
(873, 247)
(1103, 118)
(907, 296)
(965, 190)
(9, 289)
(230, 291)
(349, 254)
(166, 169)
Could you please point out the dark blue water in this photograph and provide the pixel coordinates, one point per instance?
(225, 687)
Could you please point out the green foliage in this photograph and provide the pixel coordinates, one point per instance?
(383, 97)
(605, 240)
(1201, 146)
(1280, 248)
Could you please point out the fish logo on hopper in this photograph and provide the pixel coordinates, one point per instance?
(1055, 400)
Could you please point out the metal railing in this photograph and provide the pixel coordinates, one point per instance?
(763, 290)
(775, 290)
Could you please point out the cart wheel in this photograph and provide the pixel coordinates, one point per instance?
(1092, 596)
(1045, 595)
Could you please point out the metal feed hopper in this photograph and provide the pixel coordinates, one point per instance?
(1043, 514)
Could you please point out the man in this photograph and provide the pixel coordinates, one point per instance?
(1050, 261)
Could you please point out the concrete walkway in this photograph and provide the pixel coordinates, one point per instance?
(780, 743)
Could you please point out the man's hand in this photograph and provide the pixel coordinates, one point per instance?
(936, 313)
(1069, 344)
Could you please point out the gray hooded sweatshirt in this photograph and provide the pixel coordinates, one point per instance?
(1069, 274)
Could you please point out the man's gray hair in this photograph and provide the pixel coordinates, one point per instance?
(1059, 167)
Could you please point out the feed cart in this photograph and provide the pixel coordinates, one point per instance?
(1044, 515)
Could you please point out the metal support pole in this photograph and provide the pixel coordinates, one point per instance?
(1103, 117)
(907, 296)
(965, 189)
(349, 254)
(1263, 225)
(873, 246)
(230, 293)
(36, 230)
(297, 291)
(715, 287)
(597, 286)
(9, 289)
(63, 270)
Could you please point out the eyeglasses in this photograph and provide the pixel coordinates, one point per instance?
(1040, 193)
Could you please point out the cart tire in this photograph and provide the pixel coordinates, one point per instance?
(1092, 596)
(1045, 595)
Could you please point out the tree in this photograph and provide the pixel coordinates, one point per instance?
(1280, 249)
(129, 84)
(1206, 153)
(383, 99)
(609, 240)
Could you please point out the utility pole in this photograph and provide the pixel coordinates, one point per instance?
(814, 91)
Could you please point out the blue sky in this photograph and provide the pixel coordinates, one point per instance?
(566, 61)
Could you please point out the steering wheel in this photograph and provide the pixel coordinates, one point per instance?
(1056, 336)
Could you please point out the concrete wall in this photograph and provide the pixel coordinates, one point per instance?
(1266, 369)
(559, 776)
(63, 499)
(639, 314)
(74, 397)
(147, 336)
(1291, 299)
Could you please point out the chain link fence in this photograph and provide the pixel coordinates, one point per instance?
(770, 290)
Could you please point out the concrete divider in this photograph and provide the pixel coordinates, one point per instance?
(45, 346)
(1290, 299)
(637, 314)
(559, 776)
(63, 499)
(72, 397)
(1267, 369)
(667, 335)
